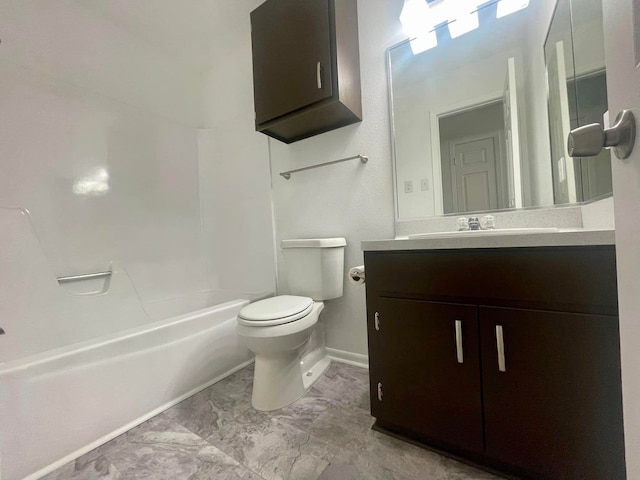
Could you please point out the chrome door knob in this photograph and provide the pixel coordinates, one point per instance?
(588, 141)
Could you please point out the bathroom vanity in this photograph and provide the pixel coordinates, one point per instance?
(502, 352)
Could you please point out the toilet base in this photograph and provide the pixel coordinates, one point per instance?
(280, 380)
(315, 372)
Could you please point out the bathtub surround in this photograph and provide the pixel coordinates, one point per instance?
(216, 434)
(137, 150)
(235, 185)
(114, 156)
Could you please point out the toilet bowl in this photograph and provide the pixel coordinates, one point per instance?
(285, 332)
(285, 367)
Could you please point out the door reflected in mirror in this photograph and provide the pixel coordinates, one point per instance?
(480, 121)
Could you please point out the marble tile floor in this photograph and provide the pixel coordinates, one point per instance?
(216, 434)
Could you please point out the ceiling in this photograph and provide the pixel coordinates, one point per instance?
(189, 29)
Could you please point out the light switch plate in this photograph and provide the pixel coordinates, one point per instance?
(424, 184)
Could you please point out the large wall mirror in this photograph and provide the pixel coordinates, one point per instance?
(480, 121)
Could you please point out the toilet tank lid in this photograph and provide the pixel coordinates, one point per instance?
(314, 243)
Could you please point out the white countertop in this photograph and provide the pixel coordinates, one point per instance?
(565, 237)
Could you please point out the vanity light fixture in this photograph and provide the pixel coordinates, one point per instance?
(420, 18)
(507, 7)
(465, 19)
(417, 24)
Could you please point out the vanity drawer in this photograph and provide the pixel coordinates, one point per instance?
(579, 279)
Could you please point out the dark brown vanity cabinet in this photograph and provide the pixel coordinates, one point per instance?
(554, 406)
(306, 67)
(507, 358)
(438, 387)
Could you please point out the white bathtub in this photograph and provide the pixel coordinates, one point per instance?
(61, 403)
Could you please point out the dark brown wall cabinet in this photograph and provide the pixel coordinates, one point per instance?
(306, 67)
(506, 358)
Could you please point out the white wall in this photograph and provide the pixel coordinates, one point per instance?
(350, 199)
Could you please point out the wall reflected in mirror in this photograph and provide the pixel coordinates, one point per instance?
(575, 63)
(472, 129)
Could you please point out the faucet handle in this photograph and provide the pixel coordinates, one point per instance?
(488, 222)
(463, 224)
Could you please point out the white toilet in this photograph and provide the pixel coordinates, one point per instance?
(283, 331)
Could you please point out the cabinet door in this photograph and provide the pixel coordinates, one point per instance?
(425, 371)
(553, 405)
(292, 61)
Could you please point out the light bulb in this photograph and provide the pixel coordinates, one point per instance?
(424, 42)
(507, 7)
(463, 23)
(417, 24)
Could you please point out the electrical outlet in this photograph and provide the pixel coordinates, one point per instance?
(424, 184)
(408, 186)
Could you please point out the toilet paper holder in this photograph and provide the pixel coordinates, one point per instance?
(357, 275)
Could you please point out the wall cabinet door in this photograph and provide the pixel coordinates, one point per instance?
(425, 371)
(306, 67)
(291, 42)
(553, 403)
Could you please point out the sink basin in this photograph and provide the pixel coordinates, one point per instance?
(484, 233)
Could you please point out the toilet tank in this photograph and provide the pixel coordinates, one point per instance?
(314, 267)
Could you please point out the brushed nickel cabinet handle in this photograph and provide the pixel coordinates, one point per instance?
(459, 350)
(376, 321)
(319, 74)
(500, 344)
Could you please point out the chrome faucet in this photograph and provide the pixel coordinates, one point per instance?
(472, 223)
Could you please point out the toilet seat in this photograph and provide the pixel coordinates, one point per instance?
(275, 311)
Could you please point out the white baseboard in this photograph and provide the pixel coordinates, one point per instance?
(350, 358)
(78, 453)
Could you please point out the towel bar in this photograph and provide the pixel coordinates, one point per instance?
(86, 276)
